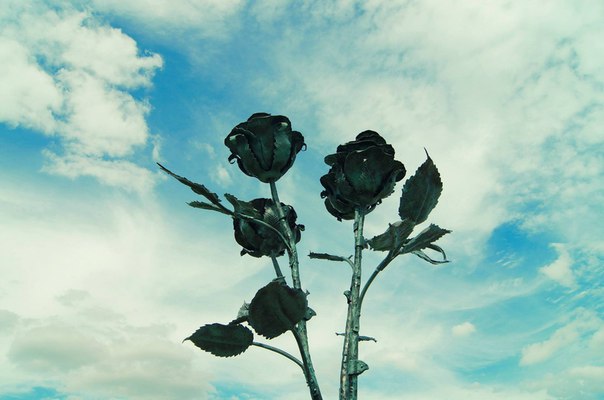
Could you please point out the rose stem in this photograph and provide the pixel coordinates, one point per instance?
(300, 332)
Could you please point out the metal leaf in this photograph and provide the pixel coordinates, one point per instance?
(195, 187)
(325, 256)
(429, 259)
(421, 193)
(245, 208)
(393, 238)
(276, 308)
(222, 340)
(424, 239)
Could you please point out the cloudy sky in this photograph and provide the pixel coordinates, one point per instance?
(105, 269)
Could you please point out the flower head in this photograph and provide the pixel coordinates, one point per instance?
(259, 239)
(264, 146)
(363, 172)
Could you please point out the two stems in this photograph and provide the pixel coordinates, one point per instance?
(350, 353)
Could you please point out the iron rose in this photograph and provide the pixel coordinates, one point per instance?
(264, 146)
(362, 173)
(263, 240)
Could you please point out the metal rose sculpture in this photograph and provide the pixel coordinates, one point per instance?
(264, 146)
(361, 174)
(265, 239)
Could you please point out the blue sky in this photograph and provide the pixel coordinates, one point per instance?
(105, 269)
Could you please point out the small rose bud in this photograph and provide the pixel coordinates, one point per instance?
(259, 240)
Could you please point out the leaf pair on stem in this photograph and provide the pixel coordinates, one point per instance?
(274, 310)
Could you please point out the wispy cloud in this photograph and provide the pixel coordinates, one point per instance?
(87, 321)
(560, 270)
(463, 329)
(202, 18)
(66, 74)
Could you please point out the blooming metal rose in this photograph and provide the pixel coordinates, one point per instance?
(260, 240)
(362, 173)
(264, 146)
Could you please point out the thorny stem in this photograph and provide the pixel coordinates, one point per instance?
(350, 350)
(279, 351)
(299, 331)
(293, 252)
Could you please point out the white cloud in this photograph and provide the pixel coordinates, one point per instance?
(144, 367)
(54, 347)
(119, 173)
(77, 41)
(104, 359)
(112, 288)
(73, 297)
(8, 320)
(463, 329)
(66, 74)
(466, 392)
(583, 382)
(101, 119)
(560, 270)
(222, 176)
(203, 18)
(542, 351)
(28, 95)
(563, 340)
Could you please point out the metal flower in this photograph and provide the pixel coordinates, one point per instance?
(265, 239)
(264, 146)
(363, 173)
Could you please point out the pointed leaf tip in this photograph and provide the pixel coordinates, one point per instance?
(425, 240)
(222, 340)
(421, 192)
(196, 188)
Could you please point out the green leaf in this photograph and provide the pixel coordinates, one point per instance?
(222, 340)
(245, 208)
(195, 187)
(325, 256)
(425, 239)
(394, 237)
(276, 308)
(421, 193)
(208, 206)
(429, 259)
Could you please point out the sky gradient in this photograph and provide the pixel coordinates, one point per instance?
(105, 269)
